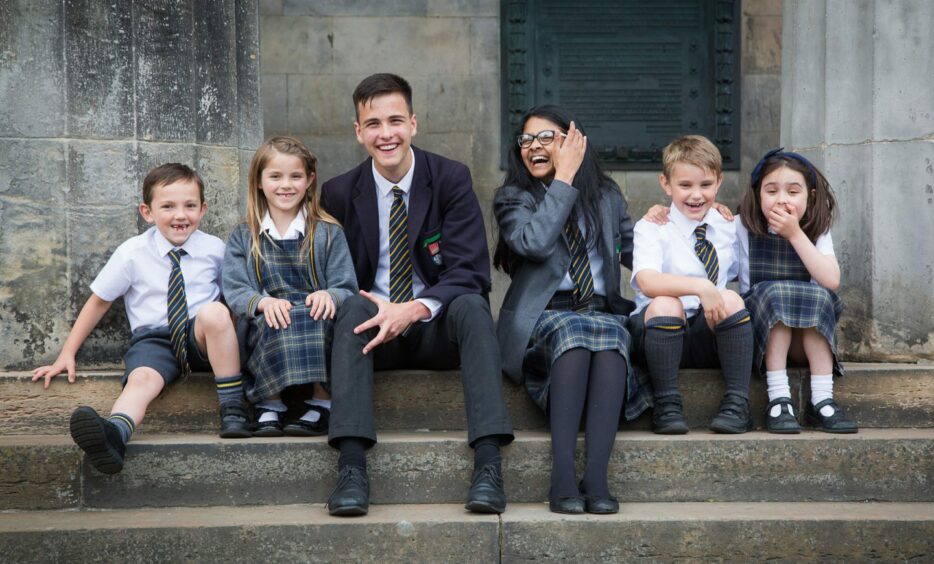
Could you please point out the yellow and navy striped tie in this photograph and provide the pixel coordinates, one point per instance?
(178, 312)
(706, 253)
(400, 263)
(580, 264)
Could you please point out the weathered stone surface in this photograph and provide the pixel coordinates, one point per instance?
(39, 473)
(359, 40)
(803, 106)
(729, 532)
(355, 8)
(337, 152)
(215, 55)
(762, 44)
(220, 167)
(103, 173)
(762, 7)
(249, 95)
(457, 104)
(761, 103)
(301, 533)
(99, 58)
(489, 8)
(32, 74)
(275, 104)
(296, 44)
(271, 7)
(849, 79)
(485, 47)
(322, 104)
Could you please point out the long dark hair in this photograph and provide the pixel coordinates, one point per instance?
(590, 181)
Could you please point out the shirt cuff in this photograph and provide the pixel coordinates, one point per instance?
(433, 305)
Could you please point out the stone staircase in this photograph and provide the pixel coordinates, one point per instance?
(187, 495)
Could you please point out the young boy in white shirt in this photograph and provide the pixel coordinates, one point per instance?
(169, 278)
(685, 317)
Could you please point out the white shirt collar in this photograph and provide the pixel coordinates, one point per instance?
(685, 225)
(384, 186)
(295, 230)
(163, 246)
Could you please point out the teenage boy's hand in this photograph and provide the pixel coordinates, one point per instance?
(712, 301)
(276, 312)
(783, 221)
(321, 304)
(569, 155)
(64, 362)
(392, 319)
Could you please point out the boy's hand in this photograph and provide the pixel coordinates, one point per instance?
(392, 319)
(712, 301)
(64, 362)
(783, 221)
(569, 155)
(276, 312)
(321, 304)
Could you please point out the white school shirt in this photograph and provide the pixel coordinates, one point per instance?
(824, 244)
(139, 271)
(596, 265)
(295, 230)
(669, 249)
(384, 198)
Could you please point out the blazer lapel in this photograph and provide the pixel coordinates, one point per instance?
(419, 200)
(364, 201)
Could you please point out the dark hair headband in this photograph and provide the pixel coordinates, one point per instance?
(756, 176)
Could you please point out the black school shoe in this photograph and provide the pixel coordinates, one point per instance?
(235, 422)
(351, 495)
(486, 493)
(99, 439)
(668, 416)
(301, 428)
(267, 428)
(784, 423)
(734, 417)
(836, 423)
(570, 505)
(599, 505)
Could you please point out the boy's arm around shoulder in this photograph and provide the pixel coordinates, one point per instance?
(340, 278)
(91, 314)
(241, 289)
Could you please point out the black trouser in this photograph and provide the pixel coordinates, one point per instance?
(462, 335)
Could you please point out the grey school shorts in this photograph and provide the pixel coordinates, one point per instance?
(152, 348)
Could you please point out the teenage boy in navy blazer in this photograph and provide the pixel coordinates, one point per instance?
(419, 249)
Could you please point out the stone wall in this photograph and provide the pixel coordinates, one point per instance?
(92, 96)
(858, 98)
(316, 51)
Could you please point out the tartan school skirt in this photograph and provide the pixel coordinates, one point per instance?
(281, 358)
(560, 329)
(796, 304)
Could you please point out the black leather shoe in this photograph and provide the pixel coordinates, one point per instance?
(351, 495)
(668, 416)
(784, 423)
(235, 422)
(571, 505)
(836, 423)
(599, 505)
(733, 417)
(99, 439)
(486, 491)
(271, 428)
(301, 428)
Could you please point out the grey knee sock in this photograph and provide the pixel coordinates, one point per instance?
(734, 347)
(664, 340)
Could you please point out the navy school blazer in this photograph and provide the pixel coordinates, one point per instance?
(447, 237)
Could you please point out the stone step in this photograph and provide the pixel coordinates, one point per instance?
(47, 472)
(794, 532)
(876, 395)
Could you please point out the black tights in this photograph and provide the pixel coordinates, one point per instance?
(599, 379)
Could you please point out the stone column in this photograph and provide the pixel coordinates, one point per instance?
(93, 95)
(858, 98)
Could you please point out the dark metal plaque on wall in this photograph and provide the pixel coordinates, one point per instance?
(637, 73)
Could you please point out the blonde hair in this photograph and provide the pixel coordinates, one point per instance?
(692, 149)
(256, 204)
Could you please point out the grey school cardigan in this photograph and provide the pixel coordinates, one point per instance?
(532, 225)
(333, 267)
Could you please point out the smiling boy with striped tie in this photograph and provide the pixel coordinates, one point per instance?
(685, 317)
(169, 278)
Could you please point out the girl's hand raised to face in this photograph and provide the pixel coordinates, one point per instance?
(783, 221)
(569, 155)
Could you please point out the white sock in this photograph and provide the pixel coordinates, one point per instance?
(312, 415)
(326, 404)
(777, 383)
(274, 407)
(822, 389)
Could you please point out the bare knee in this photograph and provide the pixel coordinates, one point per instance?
(664, 306)
(732, 301)
(214, 318)
(145, 379)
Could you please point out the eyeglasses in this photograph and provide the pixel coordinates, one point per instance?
(544, 137)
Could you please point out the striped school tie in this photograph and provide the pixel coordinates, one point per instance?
(178, 312)
(580, 264)
(706, 253)
(400, 263)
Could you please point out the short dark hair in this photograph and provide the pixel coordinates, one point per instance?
(167, 174)
(380, 84)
